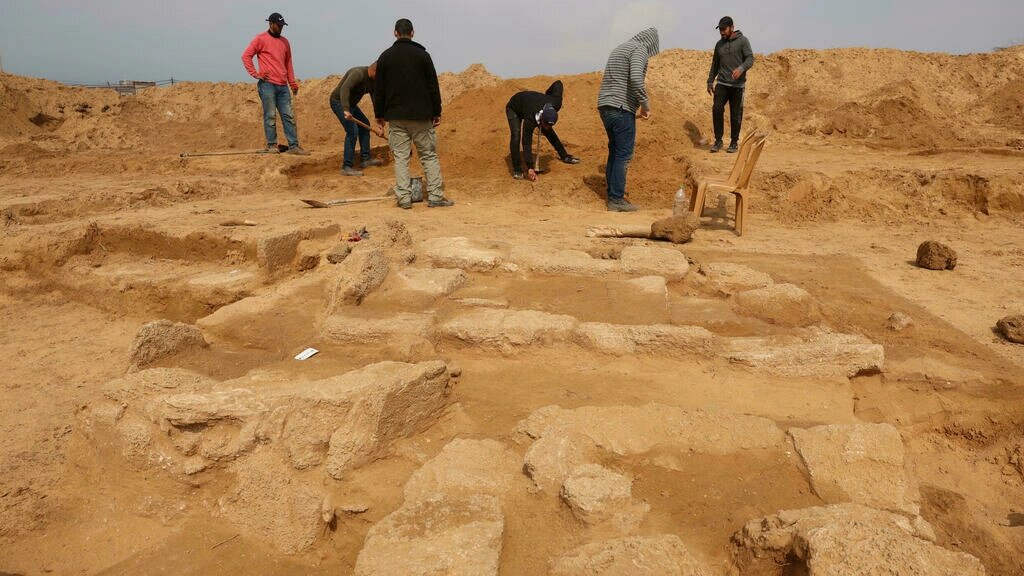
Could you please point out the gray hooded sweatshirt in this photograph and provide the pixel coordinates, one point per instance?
(731, 54)
(623, 83)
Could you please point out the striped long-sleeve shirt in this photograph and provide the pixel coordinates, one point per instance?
(623, 84)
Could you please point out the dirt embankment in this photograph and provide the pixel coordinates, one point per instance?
(864, 104)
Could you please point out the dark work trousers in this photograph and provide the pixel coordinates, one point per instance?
(515, 126)
(734, 96)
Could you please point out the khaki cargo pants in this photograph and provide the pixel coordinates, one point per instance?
(402, 136)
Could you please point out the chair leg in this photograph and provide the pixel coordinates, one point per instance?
(741, 213)
(697, 204)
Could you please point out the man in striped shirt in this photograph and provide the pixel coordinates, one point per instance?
(623, 91)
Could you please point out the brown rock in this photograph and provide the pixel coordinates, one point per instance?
(338, 254)
(269, 504)
(441, 535)
(599, 496)
(845, 540)
(633, 556)
(898, 322)
(782, 304)
(936, 256)
(1012, 328)
(162, 339)
(676, 229)
(860, 463)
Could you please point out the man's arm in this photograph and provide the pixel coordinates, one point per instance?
(345, 90)
(713, 73)
(250, 51)
(528, 128)
(433, 88)
(556, 143)
(379, 85)
(637, 74)
(748, 55)
(288, 67)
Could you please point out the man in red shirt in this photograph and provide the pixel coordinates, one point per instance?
(275, 75)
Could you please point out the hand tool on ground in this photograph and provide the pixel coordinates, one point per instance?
(342, 201)
(280, 148)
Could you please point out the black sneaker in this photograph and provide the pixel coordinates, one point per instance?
(570, 159)
(442, 203)
(518, 175)
(732, 148)
(621, 206)
(717, 147)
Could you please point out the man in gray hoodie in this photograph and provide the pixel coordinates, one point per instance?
(623, 91)
(729, 65)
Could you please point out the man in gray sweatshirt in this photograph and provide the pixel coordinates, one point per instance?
(729, 65)
(623, 92)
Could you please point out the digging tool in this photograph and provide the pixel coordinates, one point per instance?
(280, 148)
(367, 126)
(329, 203)
(536, 155)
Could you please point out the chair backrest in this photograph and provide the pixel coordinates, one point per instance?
(748, 166)
(741, 157)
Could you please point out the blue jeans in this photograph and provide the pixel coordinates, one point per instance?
(621, 128)
(275, 99)
(353, 132)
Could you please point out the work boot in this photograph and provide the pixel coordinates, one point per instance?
(350, 171)
(518, 174)
(273, 149)
(405, 203)
(732, 148)
(371, 162)
(717, 147)
(296, 150)
(442, 203)
(621, 205)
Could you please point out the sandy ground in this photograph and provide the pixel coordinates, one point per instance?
(105, 228)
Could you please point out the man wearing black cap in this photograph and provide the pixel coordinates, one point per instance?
(729, 65)
(274, 76)
(526, 111)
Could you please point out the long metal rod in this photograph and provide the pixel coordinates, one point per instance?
(229, 153)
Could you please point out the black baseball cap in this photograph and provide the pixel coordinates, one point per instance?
(725, 22)
(276, 18)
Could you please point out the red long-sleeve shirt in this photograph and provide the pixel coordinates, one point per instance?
(275, 60)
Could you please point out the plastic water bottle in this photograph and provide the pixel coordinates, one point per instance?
(679, 204)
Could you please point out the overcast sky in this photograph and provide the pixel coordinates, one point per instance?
(101, 40)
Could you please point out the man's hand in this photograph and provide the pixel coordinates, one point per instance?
(737, 73)
(436, 121)
(645, 114)
(295, 91)
(531, 175)
(380, 126)
(711, 90)
(348, 115)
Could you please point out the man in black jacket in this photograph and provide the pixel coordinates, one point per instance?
(729, 65)
(526, 111)
(407, 96)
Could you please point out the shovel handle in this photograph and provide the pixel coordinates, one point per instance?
(365, 125)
